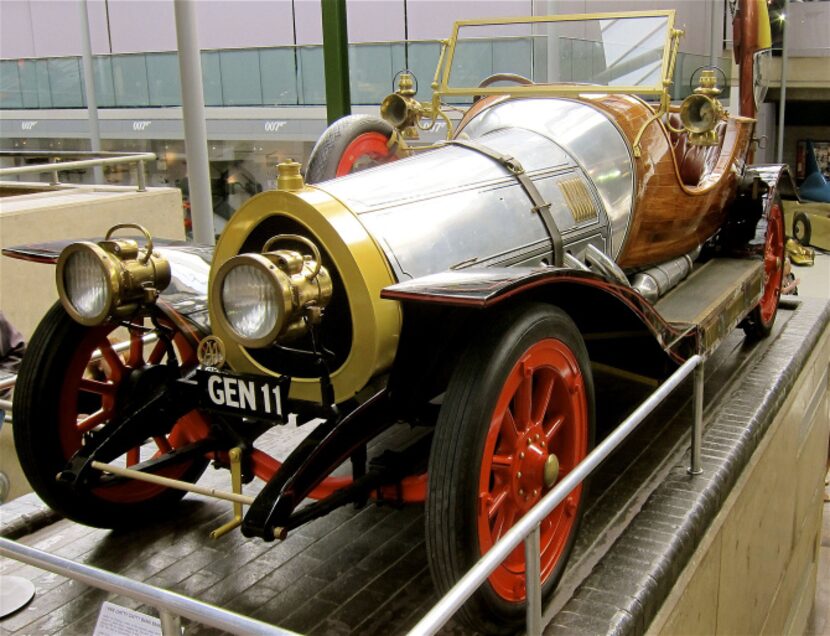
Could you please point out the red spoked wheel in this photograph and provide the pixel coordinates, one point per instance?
(71, 383)
(350, 144)
(538, 434)
(516, 418)
(758, 323)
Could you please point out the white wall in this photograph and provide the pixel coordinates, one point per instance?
(40, 28)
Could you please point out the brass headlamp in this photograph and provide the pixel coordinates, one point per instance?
(701, 111)
(273, 296)
(111, 279)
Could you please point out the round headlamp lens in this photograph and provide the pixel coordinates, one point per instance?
(85, 284)
(250, 301)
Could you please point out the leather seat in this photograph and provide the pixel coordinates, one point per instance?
(694, 162)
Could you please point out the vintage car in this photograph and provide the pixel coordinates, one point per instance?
(574, 218)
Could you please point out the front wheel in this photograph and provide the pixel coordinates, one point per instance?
(72, 382)
(518, 416)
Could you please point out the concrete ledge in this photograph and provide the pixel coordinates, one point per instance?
(676, 531)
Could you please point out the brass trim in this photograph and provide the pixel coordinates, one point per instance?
(211, 352)
(362, 265)
(234, 455)
(669, 53)
(172, 483)
(578, 199)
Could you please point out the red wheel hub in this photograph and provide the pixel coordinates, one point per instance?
(366, 150)
(773, 263)
(538, 433)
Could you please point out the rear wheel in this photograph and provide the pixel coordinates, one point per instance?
(758, 324)
(350, 144)
(65, 392)
(517, 417)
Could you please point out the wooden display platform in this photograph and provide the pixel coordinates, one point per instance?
(659, 550)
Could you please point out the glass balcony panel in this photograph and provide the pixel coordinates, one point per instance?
(513, 56)
(163, 76)
(212, 78)
(423, 58)
(371, 72)
(241, 85)
(65, 82)
(471, 64)
(129, 73)
(10, 94)
(28, 83)
(279, 77)
(104, 87)
(44, 91)
(311, 76)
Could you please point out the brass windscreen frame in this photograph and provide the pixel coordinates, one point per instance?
(669, 52)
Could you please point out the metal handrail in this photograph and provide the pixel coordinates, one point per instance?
(527, 528)
(54, 168)
(170, 604)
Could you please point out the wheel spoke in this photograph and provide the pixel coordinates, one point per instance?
(97, 387)
(542, 394)
(114, 361)
(504, 521)
(163, 444)
(496, 501)
(508, 430)
(91, 421)
(136, 358)
(553, 428)
(157, 354)
(502, 461)
(523, 402)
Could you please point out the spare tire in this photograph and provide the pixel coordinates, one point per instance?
(350, 144)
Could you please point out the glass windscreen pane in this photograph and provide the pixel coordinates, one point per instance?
(610, 52)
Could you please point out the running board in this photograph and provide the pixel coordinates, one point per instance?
(715, 298)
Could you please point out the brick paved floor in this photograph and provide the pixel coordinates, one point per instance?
(355, 571)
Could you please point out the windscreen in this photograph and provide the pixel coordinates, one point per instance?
(615, 52)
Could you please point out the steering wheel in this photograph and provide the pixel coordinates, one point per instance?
(502, 77)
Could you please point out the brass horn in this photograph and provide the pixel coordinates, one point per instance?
(401, 109)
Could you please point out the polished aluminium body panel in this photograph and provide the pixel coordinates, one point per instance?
(453, 207)
(590, 137)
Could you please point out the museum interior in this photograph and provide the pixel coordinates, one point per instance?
(262, 260)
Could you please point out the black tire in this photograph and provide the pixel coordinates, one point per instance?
(461, 461)
(802, 228)
(49, 399)
(337, 139)
(758, 323)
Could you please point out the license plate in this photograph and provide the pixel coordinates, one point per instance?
(253, 395)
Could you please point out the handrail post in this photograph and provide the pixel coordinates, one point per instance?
(697, 423)
(141, 176)
(56, 180)
(533, 582)
(171, 625)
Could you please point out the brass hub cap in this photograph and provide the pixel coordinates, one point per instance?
(551, 470)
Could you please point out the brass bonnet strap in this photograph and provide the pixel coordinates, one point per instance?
(515, 168)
